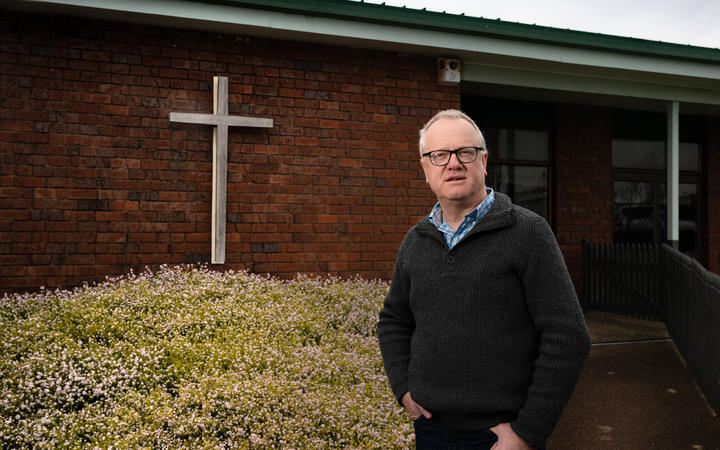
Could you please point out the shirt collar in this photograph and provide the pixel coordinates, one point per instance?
(436, 216)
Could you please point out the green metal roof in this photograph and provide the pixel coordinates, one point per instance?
(461, 24)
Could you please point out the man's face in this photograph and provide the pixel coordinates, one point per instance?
(455, 182)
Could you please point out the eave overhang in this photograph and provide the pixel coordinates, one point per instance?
(495, 52)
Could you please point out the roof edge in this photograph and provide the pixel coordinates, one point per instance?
(461, 24)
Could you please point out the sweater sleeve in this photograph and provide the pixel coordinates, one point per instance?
(564, 338)
(395, 328)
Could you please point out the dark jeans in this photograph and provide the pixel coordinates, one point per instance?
(431, 434)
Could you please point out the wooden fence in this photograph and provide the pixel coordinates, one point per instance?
(660, 283)
(692, 297)
(622, 279)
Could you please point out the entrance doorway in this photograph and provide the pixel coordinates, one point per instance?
(640, 195)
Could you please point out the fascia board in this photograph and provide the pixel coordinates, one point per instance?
(587, 84)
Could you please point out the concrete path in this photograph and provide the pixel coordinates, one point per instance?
(636, 396)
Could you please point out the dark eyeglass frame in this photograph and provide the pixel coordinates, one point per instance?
(455, 152)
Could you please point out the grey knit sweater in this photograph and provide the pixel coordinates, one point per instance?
(489, 331)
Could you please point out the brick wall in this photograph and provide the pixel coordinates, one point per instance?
(712, 225)
(94, 180)
(583, 181)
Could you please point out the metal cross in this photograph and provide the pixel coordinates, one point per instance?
(221, 121)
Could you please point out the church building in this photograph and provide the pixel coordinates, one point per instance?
(280, 137)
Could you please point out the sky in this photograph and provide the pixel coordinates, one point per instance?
(692, 22)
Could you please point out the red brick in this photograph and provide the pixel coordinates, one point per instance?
(306, 141)
(112, 149)
(111, 237)
(109, 215)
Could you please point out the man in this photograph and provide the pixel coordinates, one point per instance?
(481, 333)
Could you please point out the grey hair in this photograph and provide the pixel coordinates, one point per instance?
(449, 114)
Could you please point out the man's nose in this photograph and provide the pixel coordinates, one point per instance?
(454, 162)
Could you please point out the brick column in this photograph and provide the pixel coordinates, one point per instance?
(583, 182)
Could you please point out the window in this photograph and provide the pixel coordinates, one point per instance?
(634, 204)
(639, 154)
(640, 195)
(517, 136)
(640, 176)
(519, 166)
(688, 220)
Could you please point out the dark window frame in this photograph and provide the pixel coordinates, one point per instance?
(495, 163)
(492, 114)
(658, 178)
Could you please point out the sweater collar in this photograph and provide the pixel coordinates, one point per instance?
(499, 216)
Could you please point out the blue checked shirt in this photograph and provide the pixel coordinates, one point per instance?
(452, 237)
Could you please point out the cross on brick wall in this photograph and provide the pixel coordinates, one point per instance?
(220, 120)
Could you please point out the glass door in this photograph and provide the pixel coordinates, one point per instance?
(688, 220)
(640, 213)
(639, 161)
(634, 211)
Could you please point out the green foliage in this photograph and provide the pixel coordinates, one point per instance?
(192, 358)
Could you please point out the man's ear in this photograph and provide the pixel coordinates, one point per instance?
(424, 168)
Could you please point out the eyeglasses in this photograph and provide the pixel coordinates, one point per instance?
(442, 157)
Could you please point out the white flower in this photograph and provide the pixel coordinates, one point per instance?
(187, 357)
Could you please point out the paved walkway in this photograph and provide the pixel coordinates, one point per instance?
(636, 396)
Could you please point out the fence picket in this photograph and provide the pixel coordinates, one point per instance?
(622, 278)
(640, 276)
(618, 273)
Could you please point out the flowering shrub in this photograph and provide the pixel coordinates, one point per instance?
(189, 357)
